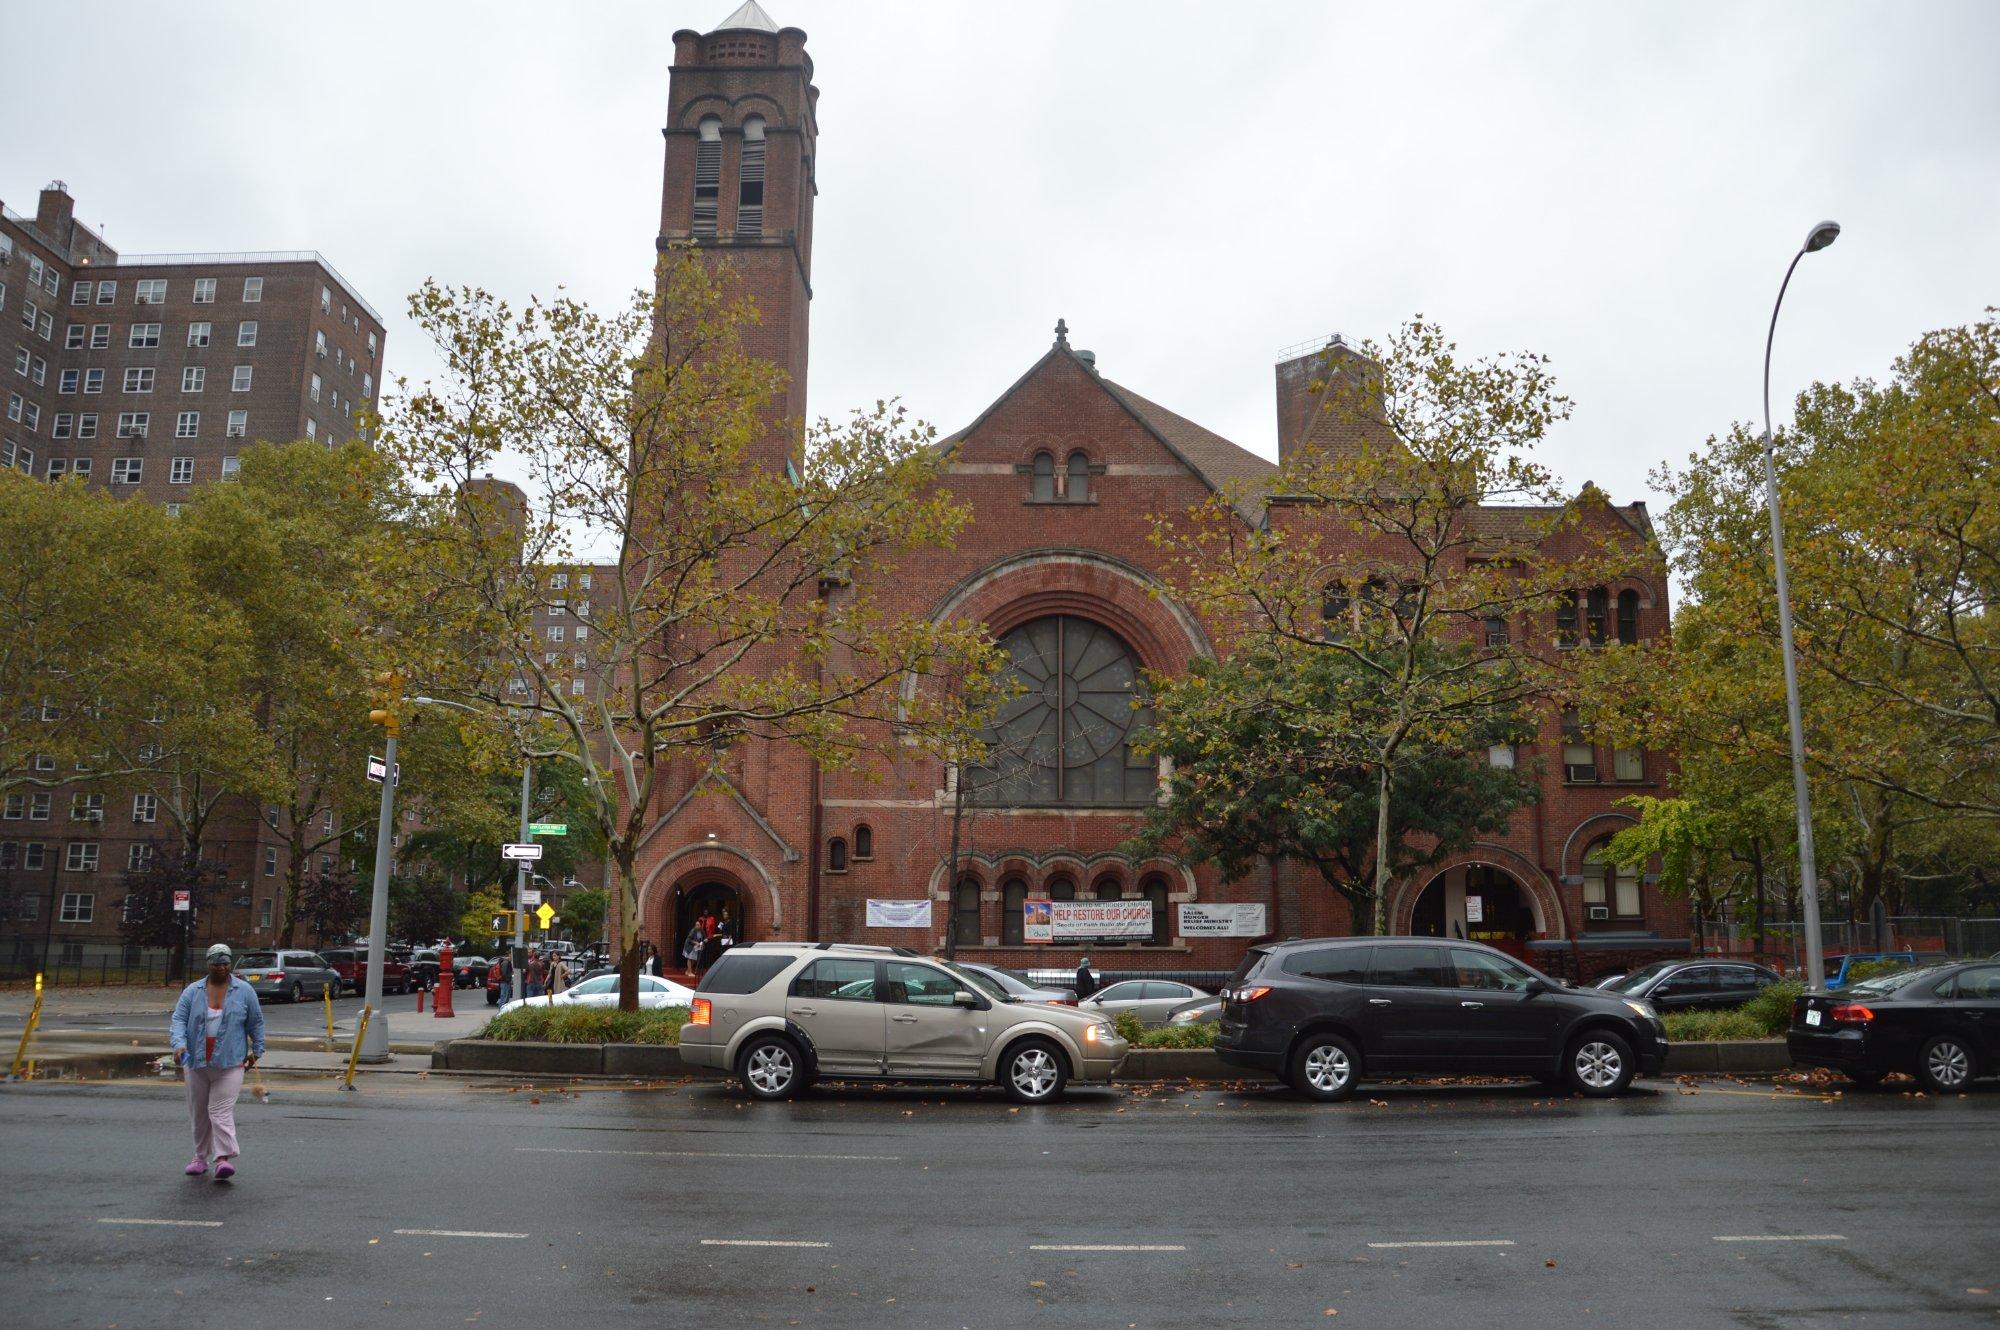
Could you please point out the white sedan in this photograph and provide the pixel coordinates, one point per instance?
(603, 992)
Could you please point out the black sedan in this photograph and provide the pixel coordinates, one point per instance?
(1694, 985)
(471, 971)
(1940, 1023)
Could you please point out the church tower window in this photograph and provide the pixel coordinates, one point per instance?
(750, 179)
(707, 175)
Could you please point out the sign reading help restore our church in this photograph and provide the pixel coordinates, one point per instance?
(899, 914)
(1222, 921)
(1079, 920)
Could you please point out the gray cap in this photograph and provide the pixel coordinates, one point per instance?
(219, 954)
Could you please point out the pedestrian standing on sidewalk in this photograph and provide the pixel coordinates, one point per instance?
(558, 974)
(691, 948)
(1086, 978)
(536, 976)
(217, 1031)
(506, 978)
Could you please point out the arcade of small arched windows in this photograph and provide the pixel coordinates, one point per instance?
(860, 848)
(1604, 618)
(1066, 482)
(983, 915)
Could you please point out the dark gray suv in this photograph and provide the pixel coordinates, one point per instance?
(1325, 1014)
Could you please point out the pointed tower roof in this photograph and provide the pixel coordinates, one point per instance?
(750, 16)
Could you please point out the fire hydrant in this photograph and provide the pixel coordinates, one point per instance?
(447, 981)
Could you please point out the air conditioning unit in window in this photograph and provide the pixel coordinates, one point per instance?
(1599, 911)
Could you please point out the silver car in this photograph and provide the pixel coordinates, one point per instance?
(1151, 1000)
(292, 975)
(781, 1015)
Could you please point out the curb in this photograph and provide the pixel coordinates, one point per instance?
(281, 1043)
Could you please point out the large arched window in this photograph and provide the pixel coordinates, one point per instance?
(1076, 478)
(965, 912)
(1065, 736)
(1042, 478)
(1013, 895)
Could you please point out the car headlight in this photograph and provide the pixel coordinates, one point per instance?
(1182, 1018)
(1097, 1034)
(1645, 1009)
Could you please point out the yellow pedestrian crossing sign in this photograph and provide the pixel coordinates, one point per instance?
(546, 914)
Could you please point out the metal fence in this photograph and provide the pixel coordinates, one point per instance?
(105, 966)
(1942, 936)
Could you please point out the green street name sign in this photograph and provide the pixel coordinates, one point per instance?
(548, 828)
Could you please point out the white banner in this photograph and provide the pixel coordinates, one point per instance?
(1071, 921)
(899, 914)
(1222, 921)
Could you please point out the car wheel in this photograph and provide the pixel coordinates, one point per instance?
(1869, 1079)
(1599, 1064)
(1033, 1072)
(298, 991)
(770, 1068)
(1323, 1068)
(1945, 1065)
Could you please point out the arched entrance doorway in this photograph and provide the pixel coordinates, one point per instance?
(1481, 902)
(702, 898)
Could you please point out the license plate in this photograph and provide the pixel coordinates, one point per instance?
(253, 978)
(1812, 1017)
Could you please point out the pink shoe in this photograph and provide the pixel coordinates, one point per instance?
(196, 1168)
(224, 1170)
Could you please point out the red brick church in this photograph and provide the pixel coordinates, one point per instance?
(1063, 472)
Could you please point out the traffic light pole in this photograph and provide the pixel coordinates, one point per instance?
(375, 1034)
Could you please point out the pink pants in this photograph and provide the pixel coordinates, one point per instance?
(212, 1095)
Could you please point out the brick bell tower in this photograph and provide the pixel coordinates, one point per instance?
(741, 135)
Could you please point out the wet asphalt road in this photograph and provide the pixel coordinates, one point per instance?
(685, 1204)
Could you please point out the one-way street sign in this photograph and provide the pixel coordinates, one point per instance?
(528, 852)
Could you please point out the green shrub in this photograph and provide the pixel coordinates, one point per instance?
(1130, 1028)
(1870, 969)
(1772, 1008)
(1687, 1026)
(588, 1025)
(1178, 1036)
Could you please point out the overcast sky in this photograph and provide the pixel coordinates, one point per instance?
(1193, 186)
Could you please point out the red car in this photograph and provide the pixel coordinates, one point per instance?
(351, 963)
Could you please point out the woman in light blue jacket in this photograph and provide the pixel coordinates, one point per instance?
(218, 1030)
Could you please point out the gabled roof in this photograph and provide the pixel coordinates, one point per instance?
(1213, 460)
(751, 16)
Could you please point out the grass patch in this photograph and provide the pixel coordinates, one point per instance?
(587, 1025)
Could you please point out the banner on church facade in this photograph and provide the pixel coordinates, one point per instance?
(1079, 921)
(1222, 921)
(899, 914)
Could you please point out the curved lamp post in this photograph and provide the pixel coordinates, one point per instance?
(1819, 238)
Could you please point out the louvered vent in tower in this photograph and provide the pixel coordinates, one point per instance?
(750, 180)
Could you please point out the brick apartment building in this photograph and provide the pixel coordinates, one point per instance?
(1063, 473)
(148, 374)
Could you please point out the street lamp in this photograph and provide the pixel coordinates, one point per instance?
(1817, 239)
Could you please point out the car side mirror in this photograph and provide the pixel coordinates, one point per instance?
(1536, 986)
(964, 998)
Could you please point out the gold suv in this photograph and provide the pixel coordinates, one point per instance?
(780, 1015)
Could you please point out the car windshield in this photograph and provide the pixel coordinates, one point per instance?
(982, 979)
(1640, 977)
(252, 960)
(1888, 983)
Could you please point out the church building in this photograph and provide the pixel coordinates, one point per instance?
(1062, 474)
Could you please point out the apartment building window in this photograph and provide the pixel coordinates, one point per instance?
(193, 378)
(576, 688)
(80, 907)
(81, 858)
(187, 424)
(93, 381)
(34, 270)
(239, 379)
(107, 293)
(204, 290)
(151, 291)
(246, 333)
(549, 659)
(58, 465)
(12, 454)
(253, 290)
(79, 293)
(325, 301)
(199, 333)
(86, 808)
(39, 804)
(1579, 757)
(34, 857)
(86, 425)
(41, 374)
(139, 379)
(145, 808)
(30, 908)
(73, 337)
(28, 311)
(239, 424)
(264, 914)
(45, 325)
(583, 581)
(133, 424)
(15, 405)
(63, 424)
(312, 428)
(15, 806)
(22, 360)
(368, 385)
(270, 861)
(127, 470)
(555, 632)
(31, 417)
(173, 510)
(1628, 764)
(79, 466)
(138, 857)
(371, 346)
(312, 388)
(319, 345)
(326, 821)
(230, 466)
(100, 336)
(180, 471)
(67, 381)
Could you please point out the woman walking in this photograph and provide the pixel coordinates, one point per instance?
(217, 1031)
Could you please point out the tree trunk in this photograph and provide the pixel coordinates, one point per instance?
(1380, 923)
(951, 867)
(628, 931)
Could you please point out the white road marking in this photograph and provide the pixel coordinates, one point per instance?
(760, 1242)
(1106, 1246)
(701, 1154)
(1785, 1237)
(168, 1223)
(1457, 1242)
(452, 1233)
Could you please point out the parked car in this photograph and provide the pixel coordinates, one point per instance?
(471, 970)
(603, 992)
(1328, 1013)
(423, 968)
(1941, 1023)
(1696, 985)
(1609, 980)
(1843, 966)
(1201, 1011)
(781, 1015)
(351, 963)
(291, 975)
(1014, 984)
(1151, 1000)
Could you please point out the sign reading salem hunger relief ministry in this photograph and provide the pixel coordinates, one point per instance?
(899, 914)
(1222, 921)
